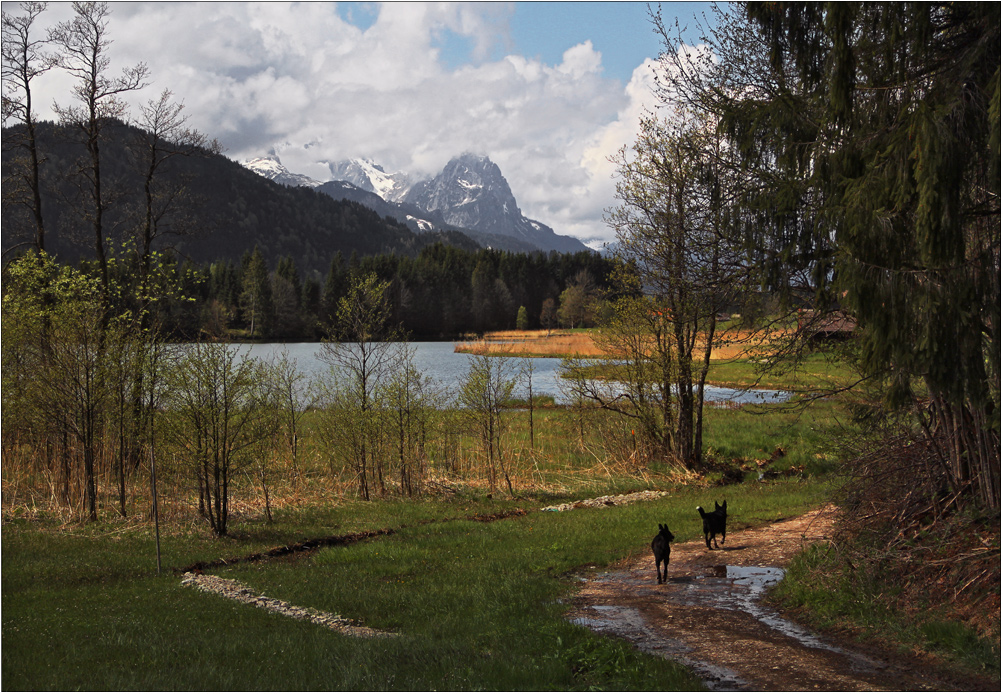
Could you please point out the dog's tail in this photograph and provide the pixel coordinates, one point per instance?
(702, 512)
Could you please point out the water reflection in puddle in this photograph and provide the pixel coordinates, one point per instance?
(736, 588)
(594, 624)
(629, 623)
(741, 588)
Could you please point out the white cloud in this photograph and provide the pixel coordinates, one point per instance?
(299, 80)
(580, 61)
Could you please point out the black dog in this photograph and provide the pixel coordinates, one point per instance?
(714, 523)
(660, 546)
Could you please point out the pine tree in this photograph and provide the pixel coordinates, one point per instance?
(874, 131)
(334, 288)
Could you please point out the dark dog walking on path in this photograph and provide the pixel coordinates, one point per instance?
(660, 546)
(714, 523)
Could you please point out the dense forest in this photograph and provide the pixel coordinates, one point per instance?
(442, 292)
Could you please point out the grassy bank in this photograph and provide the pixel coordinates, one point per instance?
(883, 609)
(731, 342)
(817, 373)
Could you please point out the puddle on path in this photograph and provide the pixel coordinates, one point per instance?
(629, 623)
(741, 588)
(734, 588)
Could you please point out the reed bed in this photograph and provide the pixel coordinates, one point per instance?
(731, 344)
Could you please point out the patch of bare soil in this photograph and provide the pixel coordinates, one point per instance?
(707, 615)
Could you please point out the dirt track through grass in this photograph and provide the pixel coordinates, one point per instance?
(706, 618)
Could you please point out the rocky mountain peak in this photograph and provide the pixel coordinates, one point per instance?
(370, 176)
(470, 193)
(271, 168)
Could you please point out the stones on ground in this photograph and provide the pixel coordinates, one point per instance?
(601, 501)
(235, 590)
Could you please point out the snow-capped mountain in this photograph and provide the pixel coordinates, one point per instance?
(370, 176)
(271, 168)
(472, 193)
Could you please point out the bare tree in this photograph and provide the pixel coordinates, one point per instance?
(164, 135)
(485, 390)
(83, 52)
(23, 61)
(674, 232)
(222, 414)
(293, 398)
(361, 354)
(409, 402)
(548, 314)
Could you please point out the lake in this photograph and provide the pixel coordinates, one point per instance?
(439, 361)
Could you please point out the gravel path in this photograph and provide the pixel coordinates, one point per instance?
(235, 590)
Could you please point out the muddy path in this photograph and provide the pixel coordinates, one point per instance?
(708, 616)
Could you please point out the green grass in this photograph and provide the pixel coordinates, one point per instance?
(817, 372)
(477, 605)
(755, 433)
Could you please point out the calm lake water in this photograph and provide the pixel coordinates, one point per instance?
(439, 361)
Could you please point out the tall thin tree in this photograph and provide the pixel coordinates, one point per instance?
(24, 59)
(83, 45)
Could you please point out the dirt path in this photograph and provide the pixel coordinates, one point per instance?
(707, 615)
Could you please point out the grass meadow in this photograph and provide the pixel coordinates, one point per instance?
(475, 604)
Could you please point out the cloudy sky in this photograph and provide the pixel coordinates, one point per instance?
(547, 90)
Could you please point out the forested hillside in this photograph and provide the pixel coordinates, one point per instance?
(213, 208)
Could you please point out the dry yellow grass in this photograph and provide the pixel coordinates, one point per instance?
(561, 343)
(537, 343)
